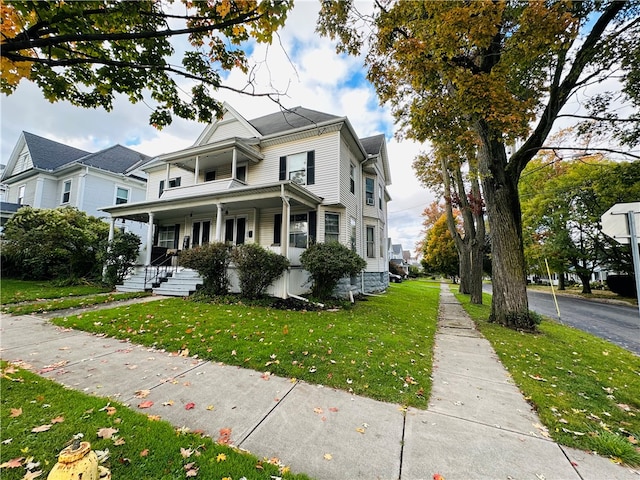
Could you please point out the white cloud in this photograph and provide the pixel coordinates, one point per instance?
(305, 66)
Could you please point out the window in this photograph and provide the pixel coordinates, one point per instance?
(173, 182)
(353, 234)
(298, 230)
(331, 227)
(167, 236)
(234, 230)
(352, 178)
(241, 173)
(380, 190)
(299, 168)
(369, 191)
(371, 243)
(200, 233)
(122, 195)
(66, 191)
(210, 176)
(21, 190)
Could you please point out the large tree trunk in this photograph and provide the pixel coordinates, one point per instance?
(561, 282)
(509, 306)
(475, 278)
(464, 259)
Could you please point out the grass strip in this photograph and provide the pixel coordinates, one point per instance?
(15, 291)
(585, 390)
(39, 417)
(70, 302)
(380, 348)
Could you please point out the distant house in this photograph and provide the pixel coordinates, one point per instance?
(398, 256)
(284, 180)
(42, 173)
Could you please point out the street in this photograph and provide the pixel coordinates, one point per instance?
(619, 324)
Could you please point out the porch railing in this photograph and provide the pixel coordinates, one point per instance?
(161, 268)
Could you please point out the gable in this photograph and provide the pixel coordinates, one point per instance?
(231, 125)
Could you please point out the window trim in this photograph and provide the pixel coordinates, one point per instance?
(335, 236)
(22, 190)
(66, 192)
(371, 243)
(369, 195)
(284, 172)
(126, 189)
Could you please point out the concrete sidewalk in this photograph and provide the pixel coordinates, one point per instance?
(477, 424)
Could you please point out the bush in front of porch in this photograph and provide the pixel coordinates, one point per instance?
(210, 261)
(257, 268)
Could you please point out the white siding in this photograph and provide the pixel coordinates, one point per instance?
(23, 162)
(155, 176)
(228, 127)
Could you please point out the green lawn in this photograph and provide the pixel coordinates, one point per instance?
(14, 291)
(139, 447)
(586, 390)
(380, 348)
(69, 302)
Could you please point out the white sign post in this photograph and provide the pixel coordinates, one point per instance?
(619, 222)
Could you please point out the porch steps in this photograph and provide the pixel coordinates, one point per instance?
(180, 284)
(134, 283)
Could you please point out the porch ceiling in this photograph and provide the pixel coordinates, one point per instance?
(264, 196)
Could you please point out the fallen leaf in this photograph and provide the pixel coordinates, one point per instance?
(221, 457)
(360, 430)
(142, 393)
(154, 418)
(437, 476)
(333, 409)
(146, 404)
(59, 419)
(327, 456)
(16, 412)
(144, 452)
(41, 428)
(225, 436)
(192, 473)
(186, 452)
(168, 404)
(31, 475)
(190, 406)
(13, 463)
(210, 407)
(119, 441)
(7, 441)
(317, 410)
(107, 432)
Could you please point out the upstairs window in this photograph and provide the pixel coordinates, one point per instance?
(352, 178)
(122, 195)
(173, 182)
(210, 176)
(370, 187)
(66, 191)
(21, 190)
(380, 190)
(299, 168)
(331, 227)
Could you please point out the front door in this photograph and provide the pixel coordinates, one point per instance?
(235, 230)
(201, 233)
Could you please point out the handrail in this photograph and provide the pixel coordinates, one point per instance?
(162, 268)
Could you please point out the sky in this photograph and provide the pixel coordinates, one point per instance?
(299, 61)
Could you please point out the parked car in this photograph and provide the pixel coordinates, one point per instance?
(395, 278)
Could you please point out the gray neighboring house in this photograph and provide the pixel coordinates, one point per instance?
(43, 173)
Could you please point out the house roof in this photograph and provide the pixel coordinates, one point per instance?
(373, 145)
(117, 159)
(49, 155)
(289, 119)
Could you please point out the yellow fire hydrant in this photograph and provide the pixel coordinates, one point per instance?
(78, 462)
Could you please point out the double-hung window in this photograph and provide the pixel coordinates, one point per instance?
(299, 168)
(371, 243)
(122, 195)
(173, 182)
(331, 227)
(21, 190)
(352, 178)
(66, 191)
(370, 186)
(168, 236)
(298, 230)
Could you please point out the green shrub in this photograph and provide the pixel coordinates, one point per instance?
(211, 262)
(327, 263)
(120, 256)
(59, 243)
(257, 268)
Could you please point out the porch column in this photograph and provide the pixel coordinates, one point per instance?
(284, 237)
(219, 223)
(197, 172)
(112, 228)
(147, 261)
(166, 182)
(234, 163)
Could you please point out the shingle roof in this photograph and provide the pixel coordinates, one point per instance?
(290, 119)
(49, 155)
(117, 159)
(373, 145)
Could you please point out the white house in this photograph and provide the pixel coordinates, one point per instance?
(284, 181)
(42, 173)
